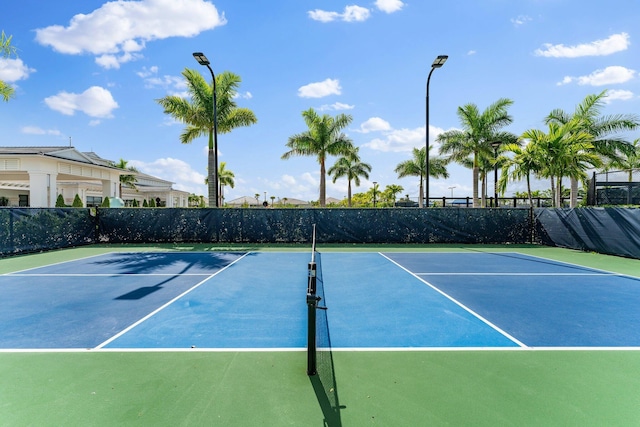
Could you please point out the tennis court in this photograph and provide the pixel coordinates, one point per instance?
(439, 335)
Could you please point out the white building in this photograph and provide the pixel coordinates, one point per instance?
(35, 176)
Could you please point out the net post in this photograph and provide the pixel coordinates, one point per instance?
(312, 302)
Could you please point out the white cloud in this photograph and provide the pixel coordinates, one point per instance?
(618, 95)
(351, 13)
(94, 102)
(35, 130)
(320, 89)
(245, 95)
(608, 46)
(404, 140)
(389, 6)
(12, 70)
(118, 30)
(520, 20)
(336, 106)
(471, 52)
(374, 124)
(174, 170)
(610, 75)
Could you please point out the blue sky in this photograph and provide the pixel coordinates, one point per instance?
(89, 72)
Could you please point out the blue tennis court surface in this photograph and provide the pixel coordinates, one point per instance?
(256, 300)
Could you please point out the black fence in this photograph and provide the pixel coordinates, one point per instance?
(614, 188)
(605, 230)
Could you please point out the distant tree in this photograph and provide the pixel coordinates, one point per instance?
(323, 138)
(135, 203)
(60, 201)
(77, 202)
(226, 178)
(152, 203)
(197, 114)
(145, 204)
(391, 192)
(6, 50)
(106, 203)
(352, 168)
(128, 180)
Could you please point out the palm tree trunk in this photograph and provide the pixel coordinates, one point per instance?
(475, 187)
(323, 184)
(553, 192)
(574, 193)
(529, 191)
(421, 192)
(349, 193)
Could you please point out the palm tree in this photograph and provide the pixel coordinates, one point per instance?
(324, 138)
(523, 163)
(6, 50)
(391, 192)
(225, 177)
(417, 167)
(197, 114)
(374, 192)
(603, 130)
(628, 162)
(127, 180)
(352, 168)
(564, 151)
(479, 130)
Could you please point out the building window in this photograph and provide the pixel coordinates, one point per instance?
(93, 201)
(23, 200)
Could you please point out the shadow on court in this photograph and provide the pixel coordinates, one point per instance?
(328, 400)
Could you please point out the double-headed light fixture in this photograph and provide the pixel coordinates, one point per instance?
(437, 63)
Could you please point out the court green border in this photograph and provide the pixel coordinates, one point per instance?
(520, 387)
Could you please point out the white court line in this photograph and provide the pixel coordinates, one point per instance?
(119, 334)
(303, 349)
(464, 307)
(103, 274)
(513, 274)
(58, 263)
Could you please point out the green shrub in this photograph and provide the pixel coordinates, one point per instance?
(77, 202)
(145, 204)
(60, 202)
(105, 203)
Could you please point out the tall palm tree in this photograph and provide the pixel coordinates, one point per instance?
(197, 114)
(416, 166)
(479, 130)
(128, 180)
(324, 138)
(225, 177)
(352, 168)
(604, 130)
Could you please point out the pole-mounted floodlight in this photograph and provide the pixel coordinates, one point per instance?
(437, 63)
(213, 157)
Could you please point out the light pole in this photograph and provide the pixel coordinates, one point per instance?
(437, 63)
(451, 188)
(495, 145)
(213, 151)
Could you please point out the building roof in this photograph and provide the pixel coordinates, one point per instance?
(66, 153)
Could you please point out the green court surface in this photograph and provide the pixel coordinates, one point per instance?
(192, 387)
